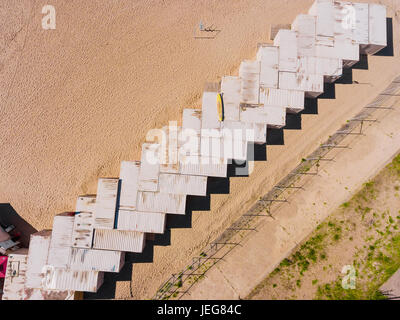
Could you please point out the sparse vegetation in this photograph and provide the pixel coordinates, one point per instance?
(363, 233)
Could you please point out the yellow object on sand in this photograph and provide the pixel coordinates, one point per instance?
(220, 107)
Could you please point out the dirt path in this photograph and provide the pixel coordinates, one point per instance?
(77, 100)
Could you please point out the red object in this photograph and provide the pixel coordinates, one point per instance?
(3, 266)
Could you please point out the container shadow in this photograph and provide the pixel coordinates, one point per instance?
(388, 51)
(8, 216)
(362, 64)
(275, 137)
(293, 121)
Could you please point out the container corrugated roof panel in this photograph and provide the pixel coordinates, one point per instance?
(323, 10)
(86, 203)
(148, 222)
(119, 240)
(230, 88)
(161, 202)
(149, 167)
(183, 184)
(291, 99)
(63, 279)
(37, 258)
(202, 166)
(286, 40)
(268, 56)
(377, 28)
(82, 234)
(249, 73)
(96, 260)
(61, 240)
(129, 175)
(106, 203)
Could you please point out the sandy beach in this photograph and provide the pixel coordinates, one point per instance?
(76, 101)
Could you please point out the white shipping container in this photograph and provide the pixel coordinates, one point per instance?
(82, 234)
(312, 84)
(14, 282)
(286, 40)
(377, 28)
(119, 240)
(192, 119)
(324, 12)
(41, 294)
(249, 73)
(212, 146)
(61, 240)
(148, 222)
(149, 167)
(209, 111)
(183, 184)
(106, 203)
(161, 202)
(305, 46)
(249, 132)
(189, 144)
(291, 99)
(268, 56)
(345, 18)
(203, 166)
(37, 258)
(361, 30)
(305, 25)
(169, 148)
(96, 260)
(331, 67)
(347, 49)
(260, 133)
(276, 116)
(230, 89)
(86, 203)
(63, 279)
(129, 175)
(253, 115)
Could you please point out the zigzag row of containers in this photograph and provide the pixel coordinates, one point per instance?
(74, 255)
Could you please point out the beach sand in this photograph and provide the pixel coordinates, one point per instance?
(76, 101)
